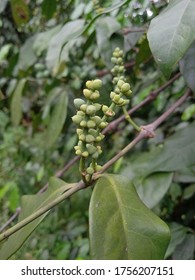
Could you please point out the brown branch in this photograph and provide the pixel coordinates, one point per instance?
(111, 126)
(147, 131)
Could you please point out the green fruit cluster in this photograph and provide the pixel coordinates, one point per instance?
(121, 93)
(119, 69)
(89, 123)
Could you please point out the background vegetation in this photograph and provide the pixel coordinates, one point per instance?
(49, 49)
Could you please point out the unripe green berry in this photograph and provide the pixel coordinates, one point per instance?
(79, 131)
(112, 94)
(91, 110)
(82, 137)
(95, 95)
(97, 84)
(83, 107)
(104, 108)
(91, 124)
(80, 113)
(116, 98)
(78, 152)
(83, 123)
(85, 154)
(87, 93)
(98, 167)
(114, 60)
(97, 106)
(102, 125)
(89, 138)
(95, 155)
(78, 102)
(93, 132)
(125, 87)
(77, 119)
(90, 170)
(120, 83)
(89, 84)
(90, 148)
(96, 119)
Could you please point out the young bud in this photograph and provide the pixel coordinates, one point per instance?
(91, 124)
(82, 137)
(95, 95)
(83, 108)
(120, 83)
(83, 123)
(87, 93)
(78, 102)
(77, 119)
(90, 148)
(104, 108)
(112, 94)
(97, 84)
(91, 110)
(90, 170)
(89, 138)
(125, 87)
(85, 154)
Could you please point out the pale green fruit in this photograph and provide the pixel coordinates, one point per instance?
(90, 170)
(89, 138)
(91, 110)
(85, 154)
(97, 84)
(87, 93)
(120, 83)
(91, 124)
(77, 119)
(125, 87)
(83, 108)
(83, 123)
(90, 148)
(78, 102)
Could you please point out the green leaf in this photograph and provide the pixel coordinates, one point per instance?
(188, 113)
(20, 11)
(49, 8)
(27, 55)
(16, 103)
(177, 153)
(185, 250)
(68, 32)
(153, 188)
(57, 119)
(187, 67)
(105, 28)
(29, 205)
(171, 33)
(42, 40)
(121, 226)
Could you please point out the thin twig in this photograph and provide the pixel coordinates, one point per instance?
(147, 131)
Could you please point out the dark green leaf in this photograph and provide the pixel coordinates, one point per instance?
(29, 205)
(121, 226)
(153, 188)
(20, 11)
(171, 33)
(49, 8)
(57, 118)
(16, 103)
(187, 67)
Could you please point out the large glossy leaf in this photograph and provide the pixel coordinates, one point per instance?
(171, 33)
(187, 67)
(121, 226)
(29, 205)
(16, 103)
(57, 119)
